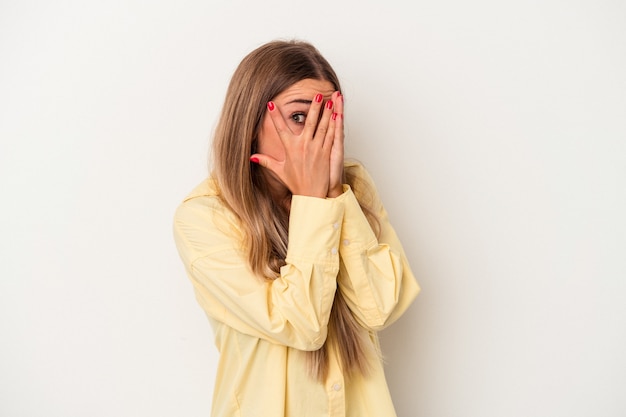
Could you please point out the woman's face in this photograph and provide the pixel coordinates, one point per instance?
(293, 104)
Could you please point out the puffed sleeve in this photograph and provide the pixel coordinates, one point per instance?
(292, 310)
(375, 277)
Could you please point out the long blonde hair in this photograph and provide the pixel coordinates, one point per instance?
(262, 75)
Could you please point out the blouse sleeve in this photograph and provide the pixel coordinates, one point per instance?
(292, 310)
(375, 278)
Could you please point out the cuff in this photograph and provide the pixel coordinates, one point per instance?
(315, 228)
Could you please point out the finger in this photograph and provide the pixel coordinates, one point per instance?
(323, 132)
(331, 132)
(279, 123)
(267, 162)
(312, 117)
(337, 98)
(338, 117)
(338, 136)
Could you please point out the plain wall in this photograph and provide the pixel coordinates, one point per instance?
(494, 130)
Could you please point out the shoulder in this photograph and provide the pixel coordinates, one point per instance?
(203, 217)
(361, 182)
(207, 188)
(357, 171)
(203, 199)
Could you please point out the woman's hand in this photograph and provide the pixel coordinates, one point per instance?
(335, 187)
(310, 166)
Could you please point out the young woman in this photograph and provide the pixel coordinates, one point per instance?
(290, 250)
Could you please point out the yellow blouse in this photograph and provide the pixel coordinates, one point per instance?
(263, 328)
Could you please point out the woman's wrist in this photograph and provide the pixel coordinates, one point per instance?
(335, 191)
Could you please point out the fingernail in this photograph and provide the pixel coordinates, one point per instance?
(334, 116)
(270, 105)
(254, 158)
(329, 104)
(318, 98)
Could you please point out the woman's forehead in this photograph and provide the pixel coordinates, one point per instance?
(305, 90)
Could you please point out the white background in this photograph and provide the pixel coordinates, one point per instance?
(494, 130)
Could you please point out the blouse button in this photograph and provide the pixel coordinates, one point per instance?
(333, 251)
(346, 242)
(337, 387)
(335, 226)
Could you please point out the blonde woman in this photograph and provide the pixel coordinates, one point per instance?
(290, 250)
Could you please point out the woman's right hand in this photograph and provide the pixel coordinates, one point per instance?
(305, 169)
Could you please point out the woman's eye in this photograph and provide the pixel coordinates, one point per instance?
(298, 117)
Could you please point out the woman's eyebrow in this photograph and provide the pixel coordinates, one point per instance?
(300, 100)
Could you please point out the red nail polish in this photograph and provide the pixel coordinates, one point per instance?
(329, 104)
(270, 105)
(318, 98)
(254, 158)
(334, 116)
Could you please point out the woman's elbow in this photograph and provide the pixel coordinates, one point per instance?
(310, 339)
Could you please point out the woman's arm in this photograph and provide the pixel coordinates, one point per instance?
(293, 309)
(375, 277)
